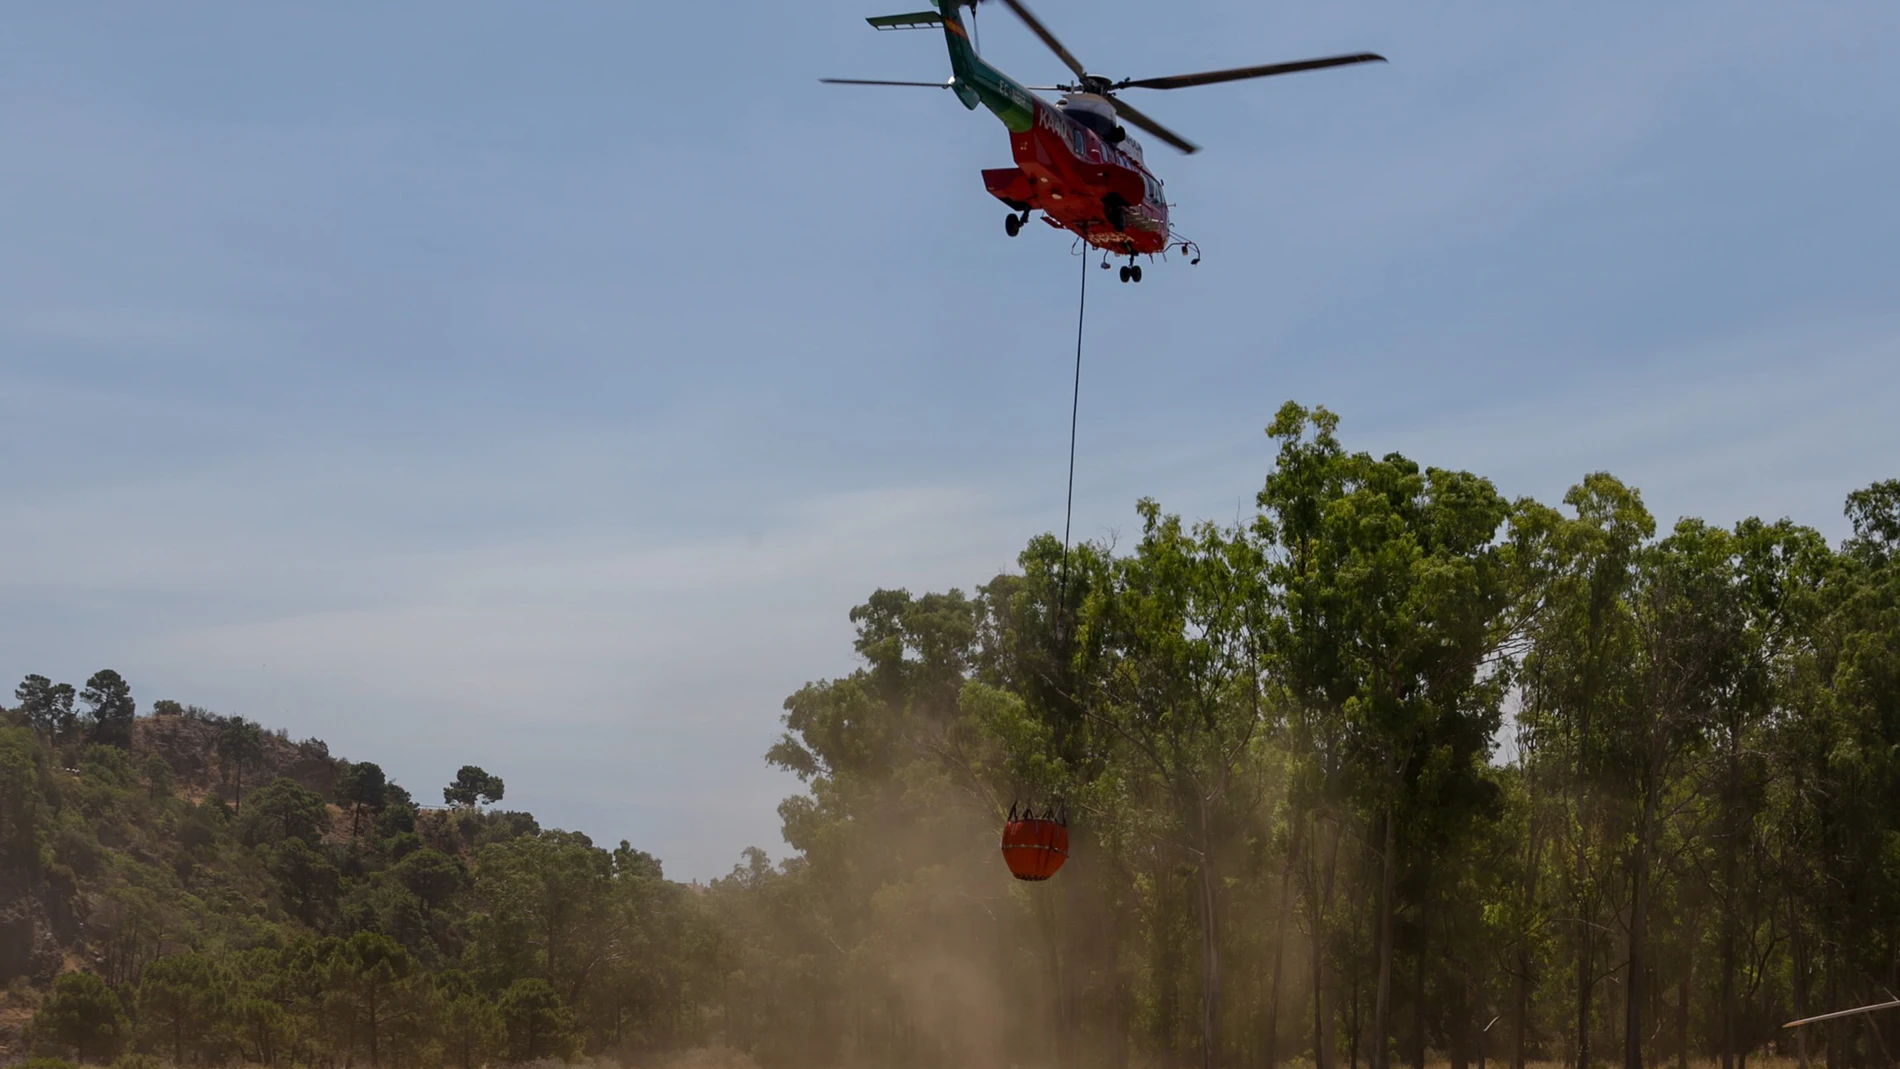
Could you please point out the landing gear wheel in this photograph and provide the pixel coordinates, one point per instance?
(1127, 273)
(1134, 273)
(1014, 224)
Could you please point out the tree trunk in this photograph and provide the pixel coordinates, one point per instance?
(1731, 792)
(1584, 983)
(1320, 1046)
(1521, 1006)
(1639, 911)
(374, 1059)
(1319, 896)
(1682, 1014)
(1522, 1001)
(1726, 1011)
(1418, 985)
(1458, 1036)
(1065, 1033)
(1836, 1033)
(1279, 961)
(1210, 952)
(1355, 1020)
(1167, 969)
(1356, 1008)
(1119, 998)
(1880, 1042)
(1798, 968)
(1382, 998)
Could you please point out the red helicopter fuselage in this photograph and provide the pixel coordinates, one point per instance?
(1082, 182)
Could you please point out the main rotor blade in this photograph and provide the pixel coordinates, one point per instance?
(1136, 118)
(861, 81)
(1182, 81)
(1037, 28)
(1844, 1013)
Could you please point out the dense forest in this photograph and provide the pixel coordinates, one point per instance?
(1397, 771)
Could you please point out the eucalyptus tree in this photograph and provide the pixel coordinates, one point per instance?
(1180, 621)
(1395, 589)
(1578, 683)
(1690, 623)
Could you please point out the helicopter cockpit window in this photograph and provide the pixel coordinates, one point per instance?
(1101, 124)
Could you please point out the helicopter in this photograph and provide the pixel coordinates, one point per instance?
(1075, 161)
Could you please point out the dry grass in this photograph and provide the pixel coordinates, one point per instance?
(1755, 1061)
(697, 1058)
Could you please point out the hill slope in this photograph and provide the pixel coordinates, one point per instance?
(244, 896)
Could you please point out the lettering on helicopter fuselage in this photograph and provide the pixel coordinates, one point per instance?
(1087, 146)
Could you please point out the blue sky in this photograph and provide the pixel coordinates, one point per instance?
(539, 385)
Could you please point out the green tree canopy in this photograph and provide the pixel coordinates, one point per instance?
(109, 708)
(472, 787)
(23, 823)
(539, 1025)
(83, 1016)
(284, 809)
(47, 706)
(240, 747)
(182, 1005)
(363, 788)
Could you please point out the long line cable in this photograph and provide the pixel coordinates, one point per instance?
(1075, 409)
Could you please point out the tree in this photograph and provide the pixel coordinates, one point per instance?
(377, 977)
(1581, 682)
(158, 774)
(432, 876)
(265, 1027)
(167, 707)
(363, 788)
(1181, 623)
(83, 1015)
(472, 1031)
(22, 804)
(47, 706)
(1394, 588)
(182, 1003)
(1875, 515)
(1690, 623)
(109, 708)
(473, 786)
(285, 809)
(240, 746)
(539, 1025)
(307, 880)
(551, 908)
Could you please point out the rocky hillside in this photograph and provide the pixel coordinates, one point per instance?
(186, 848)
